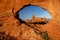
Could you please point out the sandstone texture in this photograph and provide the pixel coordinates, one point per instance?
(12, 26)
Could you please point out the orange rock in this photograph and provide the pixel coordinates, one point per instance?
(11, 27)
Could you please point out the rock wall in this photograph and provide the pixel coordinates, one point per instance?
(11, 26)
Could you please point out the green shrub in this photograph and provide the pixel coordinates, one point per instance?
(44, 35)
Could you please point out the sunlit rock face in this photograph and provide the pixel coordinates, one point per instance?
(37, 20)
(34, 19)
(11, 26)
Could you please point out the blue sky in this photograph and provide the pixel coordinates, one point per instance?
(26, 12)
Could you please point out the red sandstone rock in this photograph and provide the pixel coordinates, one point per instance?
(38, 19)
(10, 24)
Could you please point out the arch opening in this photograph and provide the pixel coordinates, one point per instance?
(34, 14)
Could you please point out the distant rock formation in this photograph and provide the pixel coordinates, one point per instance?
(33, 16)
(38, 19)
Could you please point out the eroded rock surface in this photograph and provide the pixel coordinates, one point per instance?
(10, 25)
